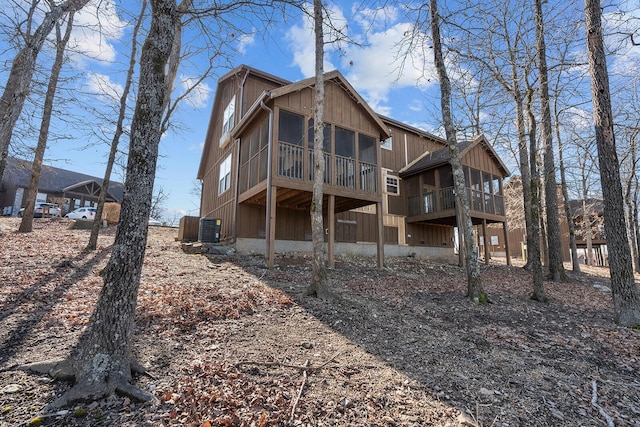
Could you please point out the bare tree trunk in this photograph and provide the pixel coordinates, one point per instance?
(474, 281)
(631, 199)
(95, 230)
(26, 224)
(102, 359)
(533, 245)
(22, 70)
(568, 212)
(626, 296)
(636, 228)
(556, 268)
(525, 171)
(586, 224)
(320, 279)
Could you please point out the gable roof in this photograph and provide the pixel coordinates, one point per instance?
(332, 76)
(52, 179)
(89, 188)
(335, 77)
(430, 160)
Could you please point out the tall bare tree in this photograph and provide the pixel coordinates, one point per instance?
(101, 363)
(533, 245)
(320, 278)
(118, 131)
(26, 225)
(474, 281)
(499, 41)
(626, 295)
(556, 267)
(22, 69)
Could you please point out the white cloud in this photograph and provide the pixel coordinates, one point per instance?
(378, 68)
(375, 67)
(618, 28)
(580, 120)
(102, 86)
(199, 95)
(245, 41)
(302, 41)
(375, 19)
(97, 28)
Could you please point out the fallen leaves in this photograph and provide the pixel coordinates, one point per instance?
(412, 349)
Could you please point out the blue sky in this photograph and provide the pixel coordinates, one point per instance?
(286, 50)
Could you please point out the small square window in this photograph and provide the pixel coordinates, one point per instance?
(393, 184)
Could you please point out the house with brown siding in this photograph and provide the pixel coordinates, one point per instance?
(384, 192)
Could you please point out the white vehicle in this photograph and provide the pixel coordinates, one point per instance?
(82, 213)
(153, 221)
(43, 209)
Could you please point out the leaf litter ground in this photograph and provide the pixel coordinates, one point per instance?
(231, 343)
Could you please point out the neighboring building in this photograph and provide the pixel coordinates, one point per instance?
(587, 215)
(590, 211)
(68, 189)
(388, 186)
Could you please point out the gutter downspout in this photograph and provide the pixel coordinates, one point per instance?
(269, 177)
(237, 191)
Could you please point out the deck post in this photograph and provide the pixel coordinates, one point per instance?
(270, 236)
(332, 231)
(506, 242)
(487, 249)
(380, 218)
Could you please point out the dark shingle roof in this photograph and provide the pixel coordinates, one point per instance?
(52, 179)
(442, 156)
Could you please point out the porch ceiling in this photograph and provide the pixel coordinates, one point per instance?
(449, 218)
(301, 200)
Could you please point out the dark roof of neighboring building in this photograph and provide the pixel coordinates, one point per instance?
(440, 157)
(422, 133)
(52, 179)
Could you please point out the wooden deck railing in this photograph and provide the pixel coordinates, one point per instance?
(425, 203)
(339, 171)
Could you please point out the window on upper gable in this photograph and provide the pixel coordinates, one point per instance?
(387, 144)
(228, 117)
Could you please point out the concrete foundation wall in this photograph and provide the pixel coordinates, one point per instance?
(258, 246)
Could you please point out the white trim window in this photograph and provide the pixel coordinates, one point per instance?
(228, 120)
(228, 116)
(225, 175)
(393, 185)
(387, 144)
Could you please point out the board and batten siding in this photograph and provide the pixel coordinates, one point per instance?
(339, 109)
(416, 145)
(216, 205)
(478, 158)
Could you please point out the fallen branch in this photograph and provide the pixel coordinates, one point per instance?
(295, 402)
(304, 368)
(594, 403)
(271, 364)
